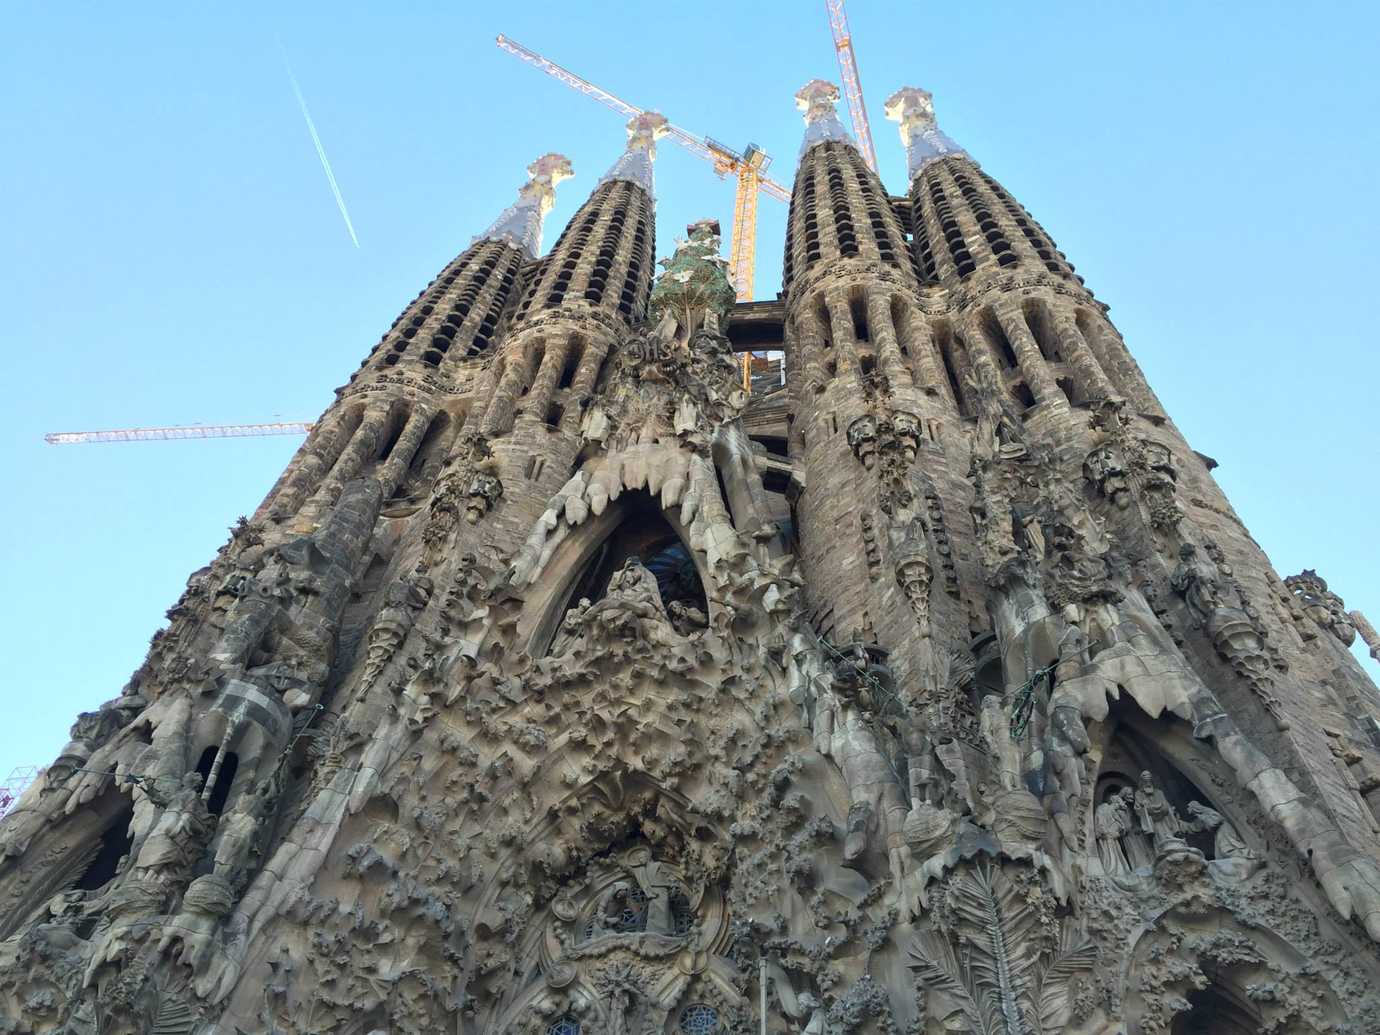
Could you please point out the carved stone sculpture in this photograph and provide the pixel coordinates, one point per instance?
(183, 827)
(1156, 816)
(1111, 823)
(237, 832)
(1104, 468)
(1322, 605)
(862, 439)
(405, 600)
(676, 698)
(1196, 582)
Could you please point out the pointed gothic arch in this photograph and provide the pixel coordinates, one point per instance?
(635, 525)
(1199, 974)
(82, 852)
(1181, 768)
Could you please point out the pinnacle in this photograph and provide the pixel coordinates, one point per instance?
(817, 100)
(913, 108)
(520, 223)
(635, 164)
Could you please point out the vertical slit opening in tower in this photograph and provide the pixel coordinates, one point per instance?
(220, 790)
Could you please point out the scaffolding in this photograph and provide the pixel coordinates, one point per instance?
(15, 785)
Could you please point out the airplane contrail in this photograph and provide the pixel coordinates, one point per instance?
(320, 150)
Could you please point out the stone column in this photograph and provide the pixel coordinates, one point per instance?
(1092, 379)
(319, 455)
(979, 353)
(586, 377)
(841, 329)
(809, 341)
(445, 442)
(892, 364)
(362, 449)
(548, 374)
(924, 354)
(1028, 355)
(1112, 354)
(394, 469)
(517, 373)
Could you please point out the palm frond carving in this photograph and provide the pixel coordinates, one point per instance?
(1005, 977)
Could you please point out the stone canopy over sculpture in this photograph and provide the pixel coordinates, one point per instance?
(560, 687)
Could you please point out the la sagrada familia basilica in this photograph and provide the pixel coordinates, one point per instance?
(562, 686)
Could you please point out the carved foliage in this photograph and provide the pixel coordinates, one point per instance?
(997, 961)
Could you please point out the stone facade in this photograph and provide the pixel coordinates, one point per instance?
(561, 687)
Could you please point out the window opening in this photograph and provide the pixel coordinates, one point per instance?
(115, 845)
(857, 308)
(699, 1020)
(220, 793)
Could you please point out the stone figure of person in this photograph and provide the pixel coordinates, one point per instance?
(572, 627)
(994, 723)
(182, 828)
(1111, 821)
(632, 596)
(1000, 427)
(238, 830)
(619, 1005)
(818, 1022)
(1136, 842)
(687, 619)
(807, 676)
(1157, 817)
(608, 915)
(1230, 854)
(1194, 580)
(844, 732)
(657, 884)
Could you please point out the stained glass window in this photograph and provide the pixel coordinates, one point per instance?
(699, 1020)
(566, 1025)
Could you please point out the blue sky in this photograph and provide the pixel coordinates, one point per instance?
(172, 252)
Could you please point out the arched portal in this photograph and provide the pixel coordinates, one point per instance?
(645, 533)
(1217, 1010)
(1133, 749)
(635, 526)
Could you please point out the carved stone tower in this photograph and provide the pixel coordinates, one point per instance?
(560, 686)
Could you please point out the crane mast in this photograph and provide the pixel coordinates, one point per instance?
(852, 86)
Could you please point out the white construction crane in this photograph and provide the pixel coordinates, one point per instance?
(64, 438)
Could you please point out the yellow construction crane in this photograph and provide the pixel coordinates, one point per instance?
(852, 87)
(747, 166)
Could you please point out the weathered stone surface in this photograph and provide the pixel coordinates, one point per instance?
(561, 687)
